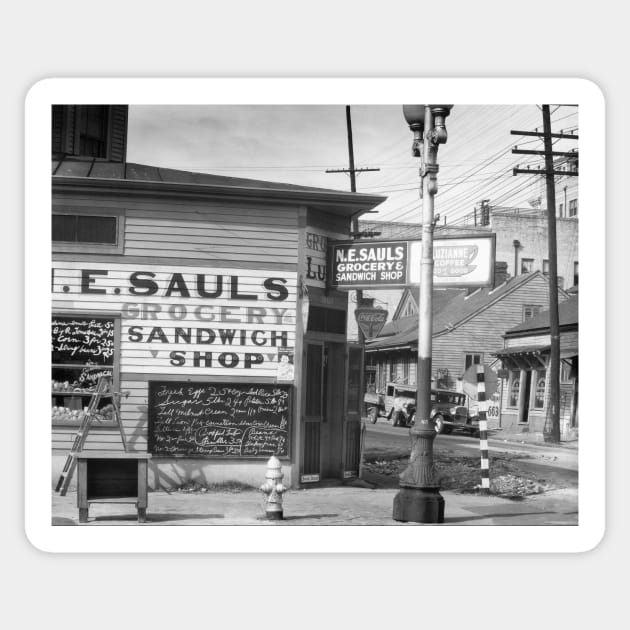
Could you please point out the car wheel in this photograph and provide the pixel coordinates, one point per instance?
(373, 415)
(439, 423)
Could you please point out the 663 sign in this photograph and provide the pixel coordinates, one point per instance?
(492, 412)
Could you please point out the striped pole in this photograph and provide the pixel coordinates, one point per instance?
(483, 430)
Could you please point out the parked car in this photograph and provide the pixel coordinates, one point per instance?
(449, 412)
(398, 404)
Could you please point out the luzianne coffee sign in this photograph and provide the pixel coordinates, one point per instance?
(458, 262)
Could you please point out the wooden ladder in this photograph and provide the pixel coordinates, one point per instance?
(104, 389)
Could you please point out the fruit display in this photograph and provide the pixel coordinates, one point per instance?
(67, 387)
(61, 415)
(64, 415)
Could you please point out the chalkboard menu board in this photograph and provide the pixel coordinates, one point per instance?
(218, 419)
(81, 340)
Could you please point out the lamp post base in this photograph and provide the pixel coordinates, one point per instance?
(418, 505)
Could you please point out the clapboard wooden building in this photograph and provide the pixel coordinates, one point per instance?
(525, 401)
(204, 297)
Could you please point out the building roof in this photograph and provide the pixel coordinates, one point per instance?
(568, 315)
(413, 231)
(73, 171)
(440, 298)
(453, 313)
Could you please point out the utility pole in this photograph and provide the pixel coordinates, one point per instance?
(355, 234)
(353, 187)
(554, 323)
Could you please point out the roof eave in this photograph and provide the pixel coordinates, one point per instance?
(542, 330)
(346, 203)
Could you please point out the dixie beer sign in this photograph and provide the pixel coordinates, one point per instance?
(457, 262)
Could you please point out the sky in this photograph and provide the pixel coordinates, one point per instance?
(298, 143)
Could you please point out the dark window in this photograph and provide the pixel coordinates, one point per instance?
(515, 388)
(527, 265)
(472, 359)
(73, 228)
(93, 130)
(566, 368)
(326, 320)
(530, 310)
(573, 208)
(576, 274)
(545, 268)
(83, 349)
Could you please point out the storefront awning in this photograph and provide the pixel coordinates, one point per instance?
(524, 357)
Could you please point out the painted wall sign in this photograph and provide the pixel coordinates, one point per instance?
(370, 320)
(218, 419)
(188, 320)
(313, 263)
(314, 260)
(458, 262)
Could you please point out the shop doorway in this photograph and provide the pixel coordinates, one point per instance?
(323, 414)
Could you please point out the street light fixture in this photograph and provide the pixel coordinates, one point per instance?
(419, 499)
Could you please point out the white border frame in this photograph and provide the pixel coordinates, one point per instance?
(316, 539)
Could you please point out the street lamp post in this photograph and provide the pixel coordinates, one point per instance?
(419, 499)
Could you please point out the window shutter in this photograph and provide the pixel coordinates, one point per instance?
(63, 129)
(57, 129)
(118, 133)
(70, 130)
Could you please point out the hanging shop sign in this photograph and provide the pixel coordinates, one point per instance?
(370, 320)
(458, 262)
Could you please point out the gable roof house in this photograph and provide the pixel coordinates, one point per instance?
(467, 329)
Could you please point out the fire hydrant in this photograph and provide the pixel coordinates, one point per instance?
(273, 488)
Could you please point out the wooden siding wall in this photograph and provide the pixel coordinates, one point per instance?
(230, 235)
(483, 333)
(252, 242)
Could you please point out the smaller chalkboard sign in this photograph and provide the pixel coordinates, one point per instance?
(83, 340)
(223, 420)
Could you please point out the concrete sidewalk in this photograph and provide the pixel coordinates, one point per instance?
(339, 505)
